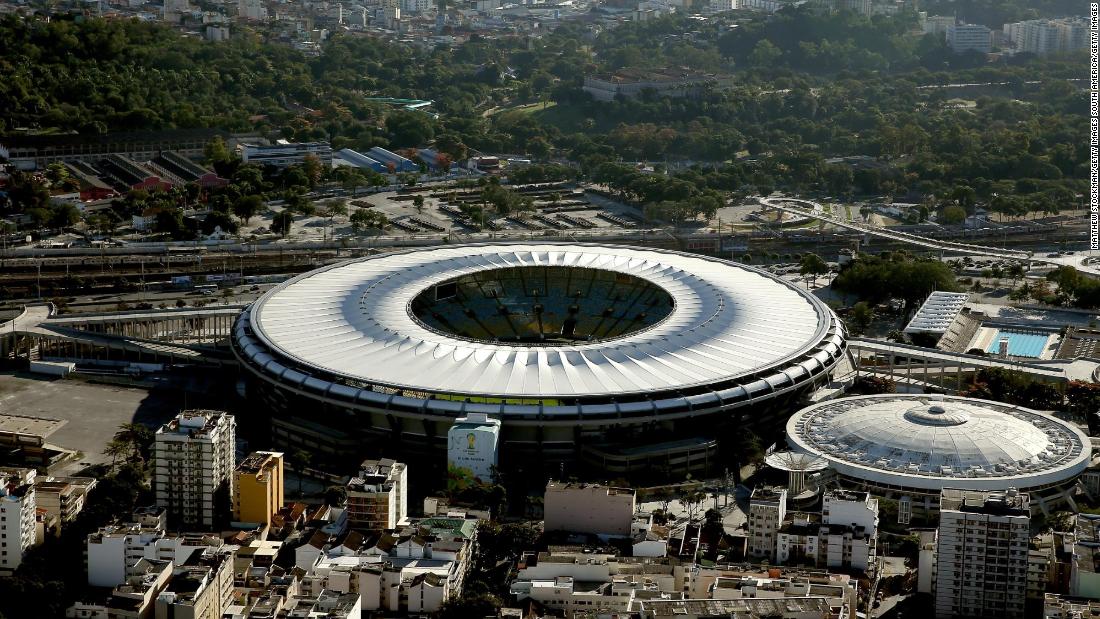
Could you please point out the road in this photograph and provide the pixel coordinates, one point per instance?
(817, 211)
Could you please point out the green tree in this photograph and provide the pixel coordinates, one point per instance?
(862, 315)
(812, 267)
(215, 151)
(246, 207)
(953, 215)
(281, 222)
(366, 219)
(299, 460)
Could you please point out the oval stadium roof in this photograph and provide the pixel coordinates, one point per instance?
(354, 320)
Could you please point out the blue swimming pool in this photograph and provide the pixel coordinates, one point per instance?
(1020, 343)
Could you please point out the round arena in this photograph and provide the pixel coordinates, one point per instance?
(909, 447)
(633, 359)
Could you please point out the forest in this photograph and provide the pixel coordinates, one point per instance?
(793, 109)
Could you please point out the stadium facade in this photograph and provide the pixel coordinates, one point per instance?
(631, 359)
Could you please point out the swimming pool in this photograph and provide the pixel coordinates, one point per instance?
(1020, 343)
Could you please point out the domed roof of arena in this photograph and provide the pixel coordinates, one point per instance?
(935, 441)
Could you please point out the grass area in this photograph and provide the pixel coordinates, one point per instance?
(523, 109)
(571, 118)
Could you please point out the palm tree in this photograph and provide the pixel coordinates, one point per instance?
(132, 440)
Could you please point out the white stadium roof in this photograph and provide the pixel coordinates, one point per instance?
(930, 442)
(354, 320)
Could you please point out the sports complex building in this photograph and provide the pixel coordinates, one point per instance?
(635, 360)
(909, 447)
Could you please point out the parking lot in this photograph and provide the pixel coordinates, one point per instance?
(90, 412)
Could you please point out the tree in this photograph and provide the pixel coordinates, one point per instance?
(246, 207)
(311, 165)
(336, 495)
(281, 222)
(812, 267)
(953, 215)
(215, 151)
(366, 219)
(299, 460)
(418, 202)
(64, 215)
(692, 502)
(132, 442)
(334, 209)
(862, 315)
(409, 128)
(476, 606)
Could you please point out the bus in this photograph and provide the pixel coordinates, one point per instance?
(207, 289)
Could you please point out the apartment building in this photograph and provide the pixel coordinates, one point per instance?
(1085, 562)
(969, 37)
(114, 551)
(17, 516)
(588, 508)
(200, 588)
(62, 497)
(284, 154)
(378, 498)
(572, 579)
(194, 459)
(938, 24)
(786, 608)
(767, 512)
(1048, 36)
(258, 487)
(982, 554)
(412, 569)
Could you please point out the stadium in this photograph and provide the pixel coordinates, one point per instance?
(909, 447)
(636, 360)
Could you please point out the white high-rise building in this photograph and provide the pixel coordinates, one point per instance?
(17, 512)
(843, 536)
(194, 456)
(1048, 36)
(767, 510)
(967, 37)
(252, 10)
(417, 6)
(982, 553)
(938, 24)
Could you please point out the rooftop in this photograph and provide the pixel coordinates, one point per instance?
(359, 320)
(935, 441)
(742, 608)
(557, 486)
(258, 461)
(193, 423)
(1008, 503)
(937, 312)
